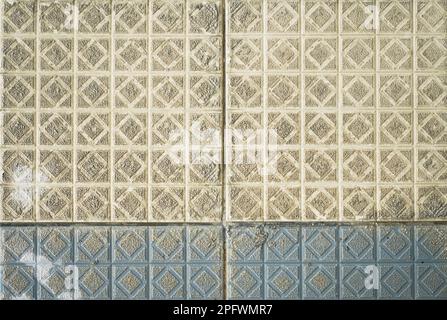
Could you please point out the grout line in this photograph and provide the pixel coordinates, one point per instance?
(112, 108)
(339, 119)
(377, 161)
(36, 178)
(148, 128)
(225, 258)
(414, 136)
(186, 113)
(74, 120)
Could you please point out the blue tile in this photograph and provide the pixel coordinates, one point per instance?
(130, 282)
(92, 245)
(246, 243)
(94, 282)
(431, 281)
(265, 261)
(130, 245)
(167, 244)
(320, 281)
(18, 282)
(167, 281)
(56, 282)
(205, 281)
(396, 281)
(283, 244)
(246, 281)
(283, 281)
(354, 282)
(205, 244)
(395, 243)
(17, 245)
(320, 244)
(357, 243)
(56, 245)
(431, 243)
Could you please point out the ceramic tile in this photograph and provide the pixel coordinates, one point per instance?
(257, 261)
(262, 149)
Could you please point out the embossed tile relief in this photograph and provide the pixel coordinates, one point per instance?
(291, 261)
(328, 110)
(101, 102)
(167, 125)
(350, 99)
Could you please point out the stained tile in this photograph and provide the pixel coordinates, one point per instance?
(395, 243)
(352, 280)
(265, 261)
(303, 142)
(431, 281)
(320, 281)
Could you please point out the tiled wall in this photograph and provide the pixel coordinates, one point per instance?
(89, 102)
(287, 261)
(125, 126)
(89, 110)
(357, 110)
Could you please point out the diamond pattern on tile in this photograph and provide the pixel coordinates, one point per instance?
(431, 281)
(17, 245)
(101, 104)
(19, 55)
(358, 243)
(129, 282)
(18, 91)
(123, 262)
(56, 204)
(168, 281)
(246, 281)
(56, 54)
(94, 282)
(56, 245)
(320, 281)
(396, 282)
(395, 243)
(19, 17)
(353, 278)
(92, 246)
(319, 244)
(17, 282)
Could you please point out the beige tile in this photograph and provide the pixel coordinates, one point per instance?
(214, 111)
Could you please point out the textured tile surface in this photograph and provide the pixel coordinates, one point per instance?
(356, 104)
(112, 262)
(193, 112)
(101, 102)
(259, 261)
(115, 112)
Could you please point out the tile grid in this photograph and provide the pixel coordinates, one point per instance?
(74, 135)
(38, 149)
(112, 113)
(112, 262)
(414, 98)
(306, 261)
(377, 115)
(339, 115)
(330, 261)
(303, 113)
(188, 141)
(264, 112)
(396, 185)
(149, 111)
(429, 179)
(416, 186)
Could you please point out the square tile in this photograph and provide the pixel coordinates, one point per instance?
(18, 91)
